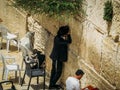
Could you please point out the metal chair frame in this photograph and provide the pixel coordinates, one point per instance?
(5, 82)
(33, 72)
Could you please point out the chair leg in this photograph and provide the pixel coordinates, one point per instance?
(44, 80)
(18, 45)
(37, 80)
(29, 83)
(44, 83)
(1, 43)
(8, 43)
(19, 77)
(3, 73)
(6, 76)
(15, 74)
(23, 79)
(22, 65)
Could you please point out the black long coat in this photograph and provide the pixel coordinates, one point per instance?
(60, 48)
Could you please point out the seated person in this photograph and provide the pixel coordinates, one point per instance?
(32, 62)
(72, 82)
(37, 56)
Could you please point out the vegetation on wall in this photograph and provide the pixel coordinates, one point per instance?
(51, 7)
(108, 14)
(108, 11)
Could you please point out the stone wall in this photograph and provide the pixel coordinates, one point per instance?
(91, 50)
(41, 34)
(13, 19)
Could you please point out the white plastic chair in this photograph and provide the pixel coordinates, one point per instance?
(5, 33)
(9, 64)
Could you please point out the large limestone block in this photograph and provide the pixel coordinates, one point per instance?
(115, 29)
(76, 34)
(95, 11)
(70, 66)
(51, 24)
(49, 46)
(109, 52)
(117, 67)
(13, 19)
(91, 45)
(91, 77)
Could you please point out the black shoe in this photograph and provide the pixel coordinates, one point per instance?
(51, 87)
(58, 86)
(54, 87)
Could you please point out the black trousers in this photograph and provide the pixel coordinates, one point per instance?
(55, 72)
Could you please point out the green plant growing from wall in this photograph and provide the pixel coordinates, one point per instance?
(56, 8)
(108, 14)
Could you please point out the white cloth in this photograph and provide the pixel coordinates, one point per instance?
(26, 41)
(72, 83)
(11, 36)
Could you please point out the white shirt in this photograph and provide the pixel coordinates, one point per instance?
(72, 83)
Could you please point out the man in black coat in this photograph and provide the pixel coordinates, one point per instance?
(59, 54)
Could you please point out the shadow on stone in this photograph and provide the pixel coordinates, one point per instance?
(38, 86)
(12, 47)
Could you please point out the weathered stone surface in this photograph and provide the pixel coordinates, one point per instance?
(91, 45)
(95, 11)
(91, 49)
(41, 35)
(93, 78)
(115, 29)
(13, 19)
(108, 60)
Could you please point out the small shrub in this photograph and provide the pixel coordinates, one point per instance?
(51, 7)
(108, 11)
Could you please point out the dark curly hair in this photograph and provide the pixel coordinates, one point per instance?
(63, 30)
(79, 72)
